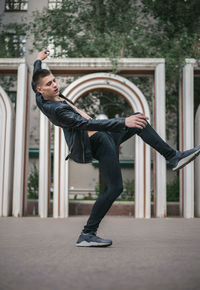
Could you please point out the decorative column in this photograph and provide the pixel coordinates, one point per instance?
(197, 166)
(44, 166)
(187, 138)
(7, 116)
(160, 163)
(60, 196)
(21, 143)
(142, 179)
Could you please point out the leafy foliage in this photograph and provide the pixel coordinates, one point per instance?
(173, 191)
(128, 193)
(118, 28)
(33, 183)
(10, 39)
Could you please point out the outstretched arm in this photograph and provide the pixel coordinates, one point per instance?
(70, 119)
(37, 64)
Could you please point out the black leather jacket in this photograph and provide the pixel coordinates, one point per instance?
(75, 127)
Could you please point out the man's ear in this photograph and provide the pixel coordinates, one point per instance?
(39, 89)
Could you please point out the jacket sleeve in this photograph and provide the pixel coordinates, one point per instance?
(70, 119)
(37, 66)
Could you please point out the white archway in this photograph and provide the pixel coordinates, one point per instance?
(136, 99)
(18, 66)
(7, 116)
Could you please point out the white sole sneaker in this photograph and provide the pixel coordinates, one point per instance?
(184, 161)
(92, 244)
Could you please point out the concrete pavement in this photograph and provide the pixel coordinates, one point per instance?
(152, 254)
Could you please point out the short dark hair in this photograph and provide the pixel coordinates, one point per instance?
(39, 74)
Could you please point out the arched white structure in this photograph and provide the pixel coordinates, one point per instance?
(7, 116)
(143, 66)
(20, 144)
(136, 99)
(197, 166)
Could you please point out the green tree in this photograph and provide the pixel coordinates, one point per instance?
(12, 39)
(176, 30)
(116, 28)
(89, 28)
(33, 180)
(175, 37)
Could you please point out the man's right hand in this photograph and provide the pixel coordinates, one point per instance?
(136, 121)
(43, 54)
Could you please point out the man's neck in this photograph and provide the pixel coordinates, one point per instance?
(48, 98)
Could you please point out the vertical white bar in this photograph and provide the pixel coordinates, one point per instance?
(20, 157)
(2, 150)
(181, 145)
(197, 165)
(161, 206)
(56, 172)
(44, 166)
(148, 183)
(139, 175)
(188, 138)
(7, 116)
(64, 179)
(60, 205)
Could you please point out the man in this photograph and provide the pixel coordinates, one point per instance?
(99, 139)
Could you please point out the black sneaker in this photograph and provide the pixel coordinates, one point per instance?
(183, 158)
(91, 240)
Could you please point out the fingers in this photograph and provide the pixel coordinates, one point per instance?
(141, 116)
(140, 125)
(46, 51)
(136, 121)
(140, 121)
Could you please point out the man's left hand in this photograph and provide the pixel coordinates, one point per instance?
(43, 54)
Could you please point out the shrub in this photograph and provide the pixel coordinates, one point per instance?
(173, 191)
(33, 183)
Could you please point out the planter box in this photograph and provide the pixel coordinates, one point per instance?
(84, 208)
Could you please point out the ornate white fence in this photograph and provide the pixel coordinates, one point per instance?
(13, 195)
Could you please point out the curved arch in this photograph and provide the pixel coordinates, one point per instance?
(116, 83)
(7, 116)
(138, 102)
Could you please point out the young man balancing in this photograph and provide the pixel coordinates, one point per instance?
(99, 139)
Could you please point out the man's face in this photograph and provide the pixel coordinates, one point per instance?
(48, 87)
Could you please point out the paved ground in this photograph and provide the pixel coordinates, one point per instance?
(152, 254)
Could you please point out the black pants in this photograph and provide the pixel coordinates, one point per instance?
(105, 148)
